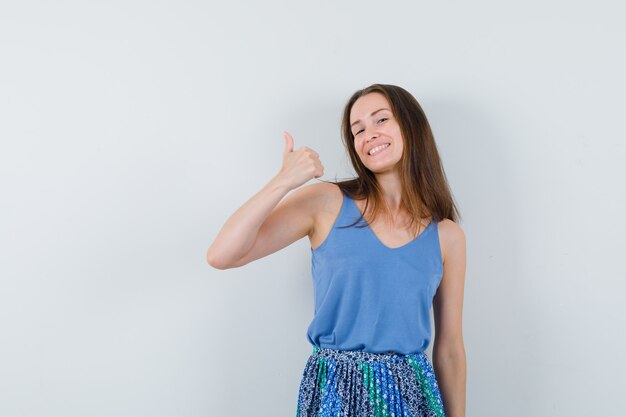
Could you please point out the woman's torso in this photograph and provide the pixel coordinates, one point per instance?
(371, 293)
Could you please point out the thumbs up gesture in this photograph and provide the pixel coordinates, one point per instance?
(301, 165)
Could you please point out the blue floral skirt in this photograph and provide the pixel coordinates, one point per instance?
(343, 383)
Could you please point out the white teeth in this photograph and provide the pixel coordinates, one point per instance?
(378, 148)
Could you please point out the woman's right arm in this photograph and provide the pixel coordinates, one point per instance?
(264, 224)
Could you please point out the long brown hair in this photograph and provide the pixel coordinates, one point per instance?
(425, 190)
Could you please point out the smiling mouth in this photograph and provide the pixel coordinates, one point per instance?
(378, 149)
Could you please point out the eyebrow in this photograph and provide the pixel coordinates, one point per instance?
(373, 113)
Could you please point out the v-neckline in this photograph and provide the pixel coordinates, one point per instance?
(375, 236)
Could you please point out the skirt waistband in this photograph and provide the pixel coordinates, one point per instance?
(361, 356)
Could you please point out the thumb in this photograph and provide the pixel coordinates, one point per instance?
(288, 142)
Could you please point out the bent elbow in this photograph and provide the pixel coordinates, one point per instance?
(218, 262)
(214, 261)
(216, 265)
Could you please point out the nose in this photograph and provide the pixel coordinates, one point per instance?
(370, 135)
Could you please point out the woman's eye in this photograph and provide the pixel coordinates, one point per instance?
(384, 118)
(358, 132)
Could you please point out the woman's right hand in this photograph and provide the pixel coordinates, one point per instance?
(299, 166)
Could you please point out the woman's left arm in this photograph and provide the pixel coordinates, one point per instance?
(449, 360)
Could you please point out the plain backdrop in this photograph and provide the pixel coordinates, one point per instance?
(130, 131)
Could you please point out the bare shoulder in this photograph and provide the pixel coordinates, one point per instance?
(319, 196)
(451, 238)
(325, 200)
(318, 200)
(328, 197)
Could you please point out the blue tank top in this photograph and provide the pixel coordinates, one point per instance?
(370, 297)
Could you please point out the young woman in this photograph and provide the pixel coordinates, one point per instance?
(385, 247)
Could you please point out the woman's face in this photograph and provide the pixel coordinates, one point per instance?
(375, 129)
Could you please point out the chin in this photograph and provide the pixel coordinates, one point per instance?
(384, 168)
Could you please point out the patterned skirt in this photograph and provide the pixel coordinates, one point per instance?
(342, 383)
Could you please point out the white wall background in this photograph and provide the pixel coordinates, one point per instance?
(130, 131)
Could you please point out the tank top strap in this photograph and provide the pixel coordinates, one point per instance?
(344, 218)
